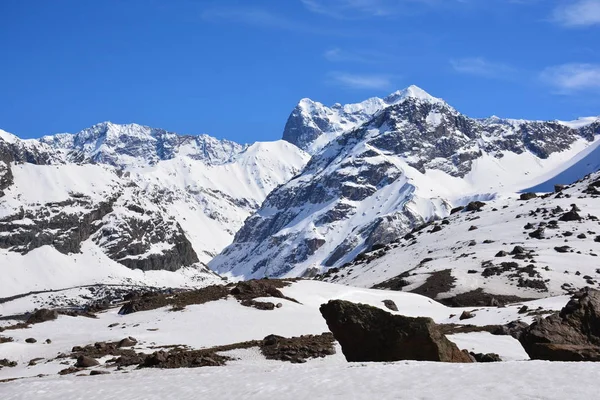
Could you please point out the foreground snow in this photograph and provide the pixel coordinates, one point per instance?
(323, 380)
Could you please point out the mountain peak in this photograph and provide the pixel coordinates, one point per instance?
(412, 92)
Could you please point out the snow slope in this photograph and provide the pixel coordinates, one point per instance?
(252, 376)
(466, 245)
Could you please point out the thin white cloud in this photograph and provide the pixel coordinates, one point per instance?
(481, 67)
(339, 55)
(570, 78)
(581, 13)
(264, 19)
(350, 9)
(361, 81)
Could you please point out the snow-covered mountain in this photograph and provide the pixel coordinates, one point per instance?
(413, 160)
(312, 125)
(97, 205)
(136, 145)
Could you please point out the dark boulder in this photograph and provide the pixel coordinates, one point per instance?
(486, 358)
(127, 342)
(527, 196)
(474, 206)
(85, 362)
(570, 216)
(368, 333)
(390, 304)
(571, 335)
(456, 209)
(42, 315)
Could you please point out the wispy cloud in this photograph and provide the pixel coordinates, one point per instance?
(571, 78)
(360, 81)
(580, 13)
(350, 9)
(261, 18)
(481, 67)
(340, 55)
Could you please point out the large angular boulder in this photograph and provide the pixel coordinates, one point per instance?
(368, 333)
(571, 335)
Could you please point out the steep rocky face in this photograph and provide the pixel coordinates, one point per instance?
(407, 165)
(312, 125)
(135, 145)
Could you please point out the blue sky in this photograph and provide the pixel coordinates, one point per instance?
(236, 68)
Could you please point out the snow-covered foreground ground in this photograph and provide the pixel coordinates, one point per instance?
(226, 322)
(327, 380)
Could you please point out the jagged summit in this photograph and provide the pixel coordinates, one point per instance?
(126, 145)
(312, 125)
(411, 92)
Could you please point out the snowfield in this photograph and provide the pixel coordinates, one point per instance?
(252, 376)
(327, 380)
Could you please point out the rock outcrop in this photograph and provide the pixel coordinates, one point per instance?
(571, 335)
(368, 333)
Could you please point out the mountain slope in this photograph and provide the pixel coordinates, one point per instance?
(411, 163)
(121, 207)
(507, 250)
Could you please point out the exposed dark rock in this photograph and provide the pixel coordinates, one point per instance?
(127, 342)
(562, 249)
(539, 233)
(98, 372)
(30, 340)
(249, 290)
(527, 196)
(517, 250)
(42, 315)
(390, 305)
(298, 349)
(259, 305)
(7, 363)
(474, 206)
(571, 335)
(152, 301)
(456, 209)
(501, 253)
(368, 333)
(437, 282)
(486, 358)
(466, 315)
(478, 298)
(86, 362)
(571, 216)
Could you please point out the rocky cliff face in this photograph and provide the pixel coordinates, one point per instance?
(410, 163)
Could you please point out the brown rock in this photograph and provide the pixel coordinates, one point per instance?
(368, 333)
(42, 315)
(85, 362)
(571, 335)
(127, 342)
